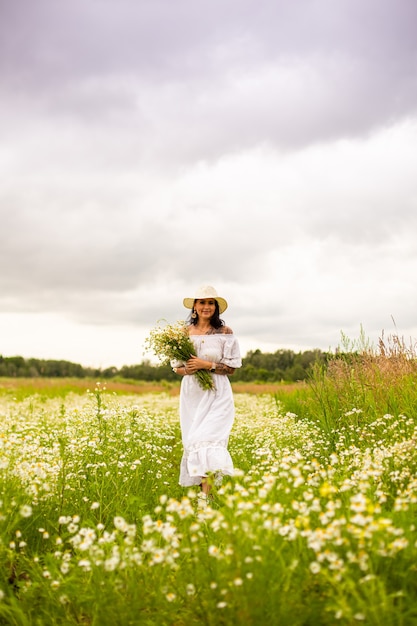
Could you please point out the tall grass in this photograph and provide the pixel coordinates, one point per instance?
(361, 383)
(317, 527)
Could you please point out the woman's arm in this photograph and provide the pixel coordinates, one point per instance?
(195, 363)
(222, 368)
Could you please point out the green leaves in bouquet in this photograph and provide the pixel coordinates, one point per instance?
(172, 342)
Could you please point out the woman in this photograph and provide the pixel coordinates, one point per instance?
(207, 416)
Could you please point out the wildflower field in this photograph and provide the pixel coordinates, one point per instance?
(317, 527)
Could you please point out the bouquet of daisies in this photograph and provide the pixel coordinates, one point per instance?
(172, 342)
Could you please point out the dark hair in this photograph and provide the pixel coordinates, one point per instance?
(215, 321)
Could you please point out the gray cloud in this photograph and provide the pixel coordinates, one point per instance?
(200, 80)
(269, 147)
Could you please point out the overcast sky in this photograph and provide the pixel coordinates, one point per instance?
(268, 148)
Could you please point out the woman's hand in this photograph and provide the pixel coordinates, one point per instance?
(194, 364)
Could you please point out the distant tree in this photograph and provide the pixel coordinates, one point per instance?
(256, 366)
(109, 372)
(296, 372)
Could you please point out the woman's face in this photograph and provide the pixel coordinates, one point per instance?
(205, 308)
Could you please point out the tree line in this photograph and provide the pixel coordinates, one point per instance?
(257, 366)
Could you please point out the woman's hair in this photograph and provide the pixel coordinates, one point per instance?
(215, 321)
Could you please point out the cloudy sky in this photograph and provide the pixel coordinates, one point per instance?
(268, 148)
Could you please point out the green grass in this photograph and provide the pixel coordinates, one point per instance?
(21, 388)
(317, 527)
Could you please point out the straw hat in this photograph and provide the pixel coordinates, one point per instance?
(204, 293)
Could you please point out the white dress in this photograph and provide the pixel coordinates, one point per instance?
(207, 416)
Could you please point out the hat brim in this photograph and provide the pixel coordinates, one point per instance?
(189, 303)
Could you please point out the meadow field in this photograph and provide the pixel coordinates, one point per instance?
(317, 527)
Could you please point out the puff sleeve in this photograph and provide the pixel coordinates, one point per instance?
(231, 352)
